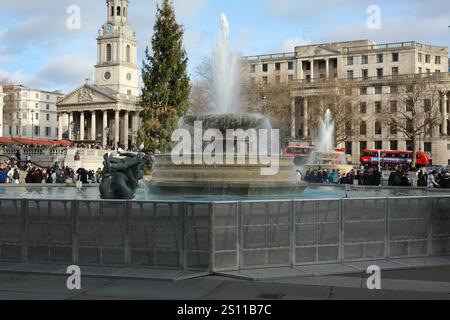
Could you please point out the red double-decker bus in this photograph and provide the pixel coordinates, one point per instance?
(298, 153)
(393, 158)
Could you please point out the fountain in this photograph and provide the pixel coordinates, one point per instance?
(326, 157)
(242, 155)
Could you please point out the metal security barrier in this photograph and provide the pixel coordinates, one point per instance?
(222, 236)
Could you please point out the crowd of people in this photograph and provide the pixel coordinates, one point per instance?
(399, 177)
(15, 172)
(370, 177)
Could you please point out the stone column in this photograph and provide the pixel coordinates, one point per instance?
(116, 128)
(305, 117)
(327, 68)
(135, 127)
(445, 115)
(300, 70)
(312, 69)
(71, 126)
(93, 126)
(293, 118)
(82, 128)
(126, 128)
(60, 125)
(105, 127)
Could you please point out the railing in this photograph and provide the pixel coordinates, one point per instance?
(396, 45)
(220, 236)
(288, 55)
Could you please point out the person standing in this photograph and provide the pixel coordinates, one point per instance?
(431, 180)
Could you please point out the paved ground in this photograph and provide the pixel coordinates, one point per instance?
(424, 283)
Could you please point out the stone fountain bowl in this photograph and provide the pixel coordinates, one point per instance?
(240, 178)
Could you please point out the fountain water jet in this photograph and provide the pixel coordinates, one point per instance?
(326, 157)
(225, 179)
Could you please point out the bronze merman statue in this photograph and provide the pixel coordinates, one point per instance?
(121, 175)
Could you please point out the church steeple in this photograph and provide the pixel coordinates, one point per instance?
(117, 11)
(117, 51)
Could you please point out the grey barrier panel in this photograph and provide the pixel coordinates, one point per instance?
(364, 229)
(198, 235)
(266, 237)
(156, 234)
(409, 220)
(317, 231)
(12, 226)
(226, 231)
(49, 231)
(440, 235)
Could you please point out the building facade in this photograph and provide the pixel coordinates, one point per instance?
(372, 71)
(30, 113)
(107, 111)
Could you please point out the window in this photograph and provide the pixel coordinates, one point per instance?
(427, 105)
(37, 95)
(378, 128)
(393, 129)
(129, 91)
(128, 53)
(448, 147)
(395, 71)
(365, 59)
(362, 145)
(265, 80)
(409, 105)
(393, 106)
(277, 79)
(378, 89)
(379, 58)
(427, 147)
(47, 117)
(394, 145)
(395, 57)
(118, 11)
(427, 58)
(363, 128)
(348, 129)
(363, 91)
(48, 97)
(348, 148)
(47, 107)
(378, 145)
(365, 74)
(428, 71)
(48, 131)
(37, 130)
(420, 69)
(349, 61)
(37, 116)
(349, 74)
(363, 107)
(36, 105)
(277, 66)
(265, 67)
(290, 65)
(252, 68)
(437, 60)
(379, 72)
(108, 52)
(378, 106)
(112, 11)
(419, 57)
(322, 65)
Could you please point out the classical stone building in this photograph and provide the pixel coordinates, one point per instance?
(107, 111)
(29, 113)
(372, 71)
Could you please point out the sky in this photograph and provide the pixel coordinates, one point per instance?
(37, 49)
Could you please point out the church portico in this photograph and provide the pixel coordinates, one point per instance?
(107, 112)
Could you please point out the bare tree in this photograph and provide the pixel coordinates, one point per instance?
(200, 99)
(341, 98)
(413, 110)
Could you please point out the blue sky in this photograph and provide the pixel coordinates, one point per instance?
(37, 49)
